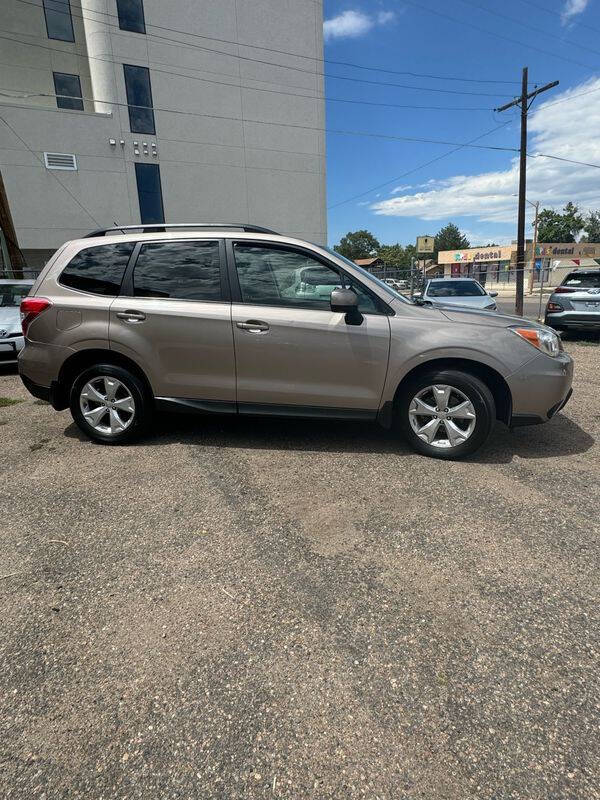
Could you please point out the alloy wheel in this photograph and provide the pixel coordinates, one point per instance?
(442, 416)
(107, 405)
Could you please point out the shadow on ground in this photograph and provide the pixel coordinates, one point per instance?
(560, 437)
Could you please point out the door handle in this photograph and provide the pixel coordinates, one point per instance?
(131, 316)
(253, 326)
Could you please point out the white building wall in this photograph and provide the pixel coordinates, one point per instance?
(249, 147)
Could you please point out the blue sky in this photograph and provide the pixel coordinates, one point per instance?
(473, 188)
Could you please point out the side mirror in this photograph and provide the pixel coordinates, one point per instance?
(345, 301)
(493, 294)
(417, 295)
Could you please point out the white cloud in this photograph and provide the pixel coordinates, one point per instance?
(352, 24)
(569, 130)
(571, 9)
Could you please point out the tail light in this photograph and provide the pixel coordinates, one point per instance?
(32, 307)
(554, 307)
(563, 290)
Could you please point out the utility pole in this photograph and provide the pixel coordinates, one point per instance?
(524, 102)
(536, 205)
(16, 260)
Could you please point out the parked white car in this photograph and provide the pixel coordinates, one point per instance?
(458, 292)
(11, 336)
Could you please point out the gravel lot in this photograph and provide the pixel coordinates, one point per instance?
(257, 609)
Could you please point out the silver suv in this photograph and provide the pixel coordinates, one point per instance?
(575, 304)
(236, 319)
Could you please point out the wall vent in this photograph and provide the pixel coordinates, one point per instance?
(60, 161)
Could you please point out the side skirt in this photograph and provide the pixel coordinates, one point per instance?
(188, 406)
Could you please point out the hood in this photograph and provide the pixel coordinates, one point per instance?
(476, 317)
(468, 302)
(10, 319)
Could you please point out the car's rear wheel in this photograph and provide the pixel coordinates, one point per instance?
(110, 404)
(446, 414)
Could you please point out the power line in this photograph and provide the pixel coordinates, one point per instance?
(271, 64)
(558, 14)
(264, 122)
(67, 190)
(560, 158)
(571, 97)
(415, 169)
(4, 90)
(533, 28)
(267, 49)
(527, 45)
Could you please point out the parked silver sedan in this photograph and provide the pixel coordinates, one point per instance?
(457, 292)
(11, 336)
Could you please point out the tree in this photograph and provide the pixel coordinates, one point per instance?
(358, 244)
(591, 226)
(556, 227)
(392, 255)
(450, 238)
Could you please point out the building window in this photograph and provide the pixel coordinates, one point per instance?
(131, 15)
(59, 23)
(68, 91)
(149, 193)
(139, 99)
(180, 270)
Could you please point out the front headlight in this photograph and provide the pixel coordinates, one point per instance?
(491, 307)
(546, 341)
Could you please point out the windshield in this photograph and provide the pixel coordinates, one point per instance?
(382, 285)
(455, 288)
(583, 280)
(11, 294)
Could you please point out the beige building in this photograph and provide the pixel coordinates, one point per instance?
(133, 111)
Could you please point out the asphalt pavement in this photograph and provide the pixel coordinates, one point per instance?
(531, 305)
(274, 609)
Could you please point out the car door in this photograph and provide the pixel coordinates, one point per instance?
(173, 318)
(293, 354)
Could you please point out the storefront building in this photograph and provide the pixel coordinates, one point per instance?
(481, 263)
(499, 264)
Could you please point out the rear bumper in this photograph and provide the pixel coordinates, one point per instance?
(573, 320)
(52, 394)
(540, 389)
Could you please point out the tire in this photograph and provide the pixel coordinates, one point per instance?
(443, 440)
(128, 415)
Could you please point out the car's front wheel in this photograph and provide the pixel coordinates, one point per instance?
(446, 414)
(110, 404)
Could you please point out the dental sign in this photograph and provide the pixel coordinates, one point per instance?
(474, 254)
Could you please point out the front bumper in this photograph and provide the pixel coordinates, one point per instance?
(10, 347)
(540, 389)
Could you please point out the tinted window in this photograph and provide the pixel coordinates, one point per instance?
(277, 277)
(149, 193)
(59, 24)
(139, 98)
(583, 280)
(98, 270)
(68, 91)
(131, 15)
(455, 288)
(182, 270)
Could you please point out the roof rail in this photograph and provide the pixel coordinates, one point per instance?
(163, 226)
